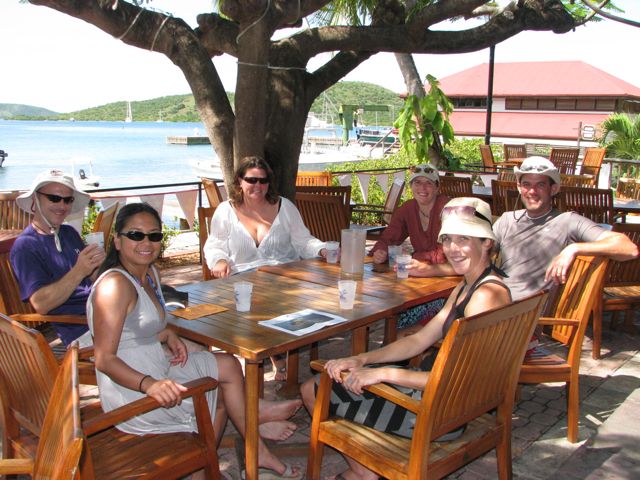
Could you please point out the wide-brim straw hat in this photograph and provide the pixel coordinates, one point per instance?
(467, 216)
(538, 166)
(81, 199)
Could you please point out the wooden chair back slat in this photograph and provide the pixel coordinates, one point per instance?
(393, 199)
(317, 179)
(514, 151)
(593, 203)
(488, 161)
(104, 222)
(28, 369)
(61, 440)
(592, 162)
(584, 181)
(453, 187)
(624, 274)
(507, 176)
(504, 196)
(213, 192)
(323, 215)
(565, 159)
(12, 217)
(344, 193)
(205, 214)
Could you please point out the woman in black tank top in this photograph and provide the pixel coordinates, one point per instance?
(468, 242)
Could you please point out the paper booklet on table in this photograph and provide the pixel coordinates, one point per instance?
(303, 322)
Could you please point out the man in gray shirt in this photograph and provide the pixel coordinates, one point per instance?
(538, 244)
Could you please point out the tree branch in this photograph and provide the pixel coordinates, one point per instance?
(598, 9)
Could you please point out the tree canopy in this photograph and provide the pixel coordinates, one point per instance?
(275, 87)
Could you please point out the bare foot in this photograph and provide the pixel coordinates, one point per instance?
(280, 430)
(273, 411)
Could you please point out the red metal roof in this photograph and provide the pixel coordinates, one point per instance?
(558, 125)
(539, 79)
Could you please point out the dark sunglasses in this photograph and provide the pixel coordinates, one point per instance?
(254, 180)
(57, 198)
(426, 170)
(139, 236)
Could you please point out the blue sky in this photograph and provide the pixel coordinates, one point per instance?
(51, 60)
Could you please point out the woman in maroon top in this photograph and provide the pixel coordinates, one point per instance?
(418, 219)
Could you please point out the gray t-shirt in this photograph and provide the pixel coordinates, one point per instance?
(527, 246)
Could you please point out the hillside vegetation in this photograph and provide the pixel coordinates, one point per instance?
(181, 108)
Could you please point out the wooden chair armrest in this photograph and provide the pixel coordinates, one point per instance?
(36, 317)
(16, 466)
(558, 321)
(381, 389)
(85, 353)
(106, 420)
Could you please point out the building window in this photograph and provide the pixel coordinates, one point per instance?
(547, 104)
(566, 104)
(605, 104)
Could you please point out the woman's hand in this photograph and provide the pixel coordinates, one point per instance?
(335, 367)
(178, 348)
(221, 269)
(362, 377)
(166, 392)
(380, 256)
(323, 252)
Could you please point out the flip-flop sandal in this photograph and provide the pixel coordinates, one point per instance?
(282, 372)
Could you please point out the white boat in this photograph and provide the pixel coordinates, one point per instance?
(81, 177)
(206, 167)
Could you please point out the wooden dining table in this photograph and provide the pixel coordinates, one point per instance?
(239, 332)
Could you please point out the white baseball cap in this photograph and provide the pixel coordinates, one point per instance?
(466, 216)
(539, 166)
(81, 199)
(427, 171)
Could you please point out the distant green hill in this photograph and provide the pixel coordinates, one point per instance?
(181, 108)
(11, 110)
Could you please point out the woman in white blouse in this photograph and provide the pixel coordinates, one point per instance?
(257, 227)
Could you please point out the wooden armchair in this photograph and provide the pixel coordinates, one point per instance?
(475, 372)
(507, 176)
(27, 373)
(621, 289)
(384, 212)
(313, 179)
(514, 151)
(104, 222)
(12, 217)
(593, 203)
(488, 161)
(504, 197)
(453, 187)
(324, 215)
(343, 192)
(61, 440)
(205, 214)
(592, 162)
(568, 324)
(565, 159)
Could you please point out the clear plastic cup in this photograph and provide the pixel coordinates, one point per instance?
(95, 238)
(243, 292)
(347, 291)
(333, 250)
(402, 262)
(392, 252)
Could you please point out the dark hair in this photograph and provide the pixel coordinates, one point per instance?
(248, 163)
(113, 255)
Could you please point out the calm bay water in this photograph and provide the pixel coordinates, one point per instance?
(122, 154)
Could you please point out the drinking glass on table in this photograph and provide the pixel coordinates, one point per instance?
(333, 250)
(402, 266)
(392, 252)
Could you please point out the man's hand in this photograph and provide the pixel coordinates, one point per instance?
(89, 259)
(559, 268)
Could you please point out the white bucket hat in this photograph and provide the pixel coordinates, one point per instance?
(26, 200)
(539, 166)
(427, 171)
(466, 216)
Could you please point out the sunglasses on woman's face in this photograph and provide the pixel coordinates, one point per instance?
(57, 198)
(254, 180)
(419, 169)
(137, 236)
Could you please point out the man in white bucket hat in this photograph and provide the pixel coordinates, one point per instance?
(51, 263)
(538, 244)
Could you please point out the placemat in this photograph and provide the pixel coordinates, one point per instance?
(197, 311)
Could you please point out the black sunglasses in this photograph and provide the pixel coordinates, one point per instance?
(139, 236)
(57, 198)
(254, 180)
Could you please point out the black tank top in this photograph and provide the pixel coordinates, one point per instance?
(458, 308)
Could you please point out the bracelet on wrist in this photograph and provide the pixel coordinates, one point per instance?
(141, 381)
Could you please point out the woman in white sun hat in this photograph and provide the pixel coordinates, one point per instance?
(468, 242)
